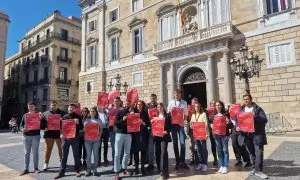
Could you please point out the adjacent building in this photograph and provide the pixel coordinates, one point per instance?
(157, 46)
(46, 67)
(4, 22)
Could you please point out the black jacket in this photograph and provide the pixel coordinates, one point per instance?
(166, 137)
(229, 125)
(51, 133)
(74, 116)
(121, 126)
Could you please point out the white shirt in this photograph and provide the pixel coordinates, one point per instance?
(181, 104)
(249, 109)
(103, 118)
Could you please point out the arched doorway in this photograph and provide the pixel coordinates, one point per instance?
(193, 84)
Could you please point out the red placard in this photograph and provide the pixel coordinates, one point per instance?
(102, 99)
(132, 95)
(246, 121)
(220, 125)
(190, 111)
(91, 131)
(53, 122)
(133, 122)
(233, 110)
(210, 110)
(68, 128)
(158, 127)
(32, 121)
(112, 114)
(78, 109)
(177, 115)
(112, 95)
(199, 130)
(152, 113)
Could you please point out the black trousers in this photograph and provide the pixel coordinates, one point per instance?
(239, 151)
(82, 151)
(162, 157)
(213, 145)
(104, 139)
(66, 143)
(255, 145)
(143, 158)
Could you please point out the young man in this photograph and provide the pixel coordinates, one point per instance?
(51, 136)
(31, 140)
(190, 134)
(123, 139)
(74, 142)
(255, 141)
(178, 130)
(151, 156)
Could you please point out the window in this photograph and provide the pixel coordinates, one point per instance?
(92, 25)
(168, 27)
(45, 94)
(37, 56)
(47, 51)
(92, 56)
(137, 40)
(89, 86)
(63, 73)
(29, 43)
(137, 79)
(35, 76)
(46, 71)
(114, 46)
(114, 15)
(136, 5)
(274, 6)
(280, 54)
(38, 38)
(64, 34)
(48, 33)
(63, 53)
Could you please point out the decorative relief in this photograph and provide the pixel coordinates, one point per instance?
(190, 19)
(197, 76)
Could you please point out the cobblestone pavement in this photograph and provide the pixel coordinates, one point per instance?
(282, 162)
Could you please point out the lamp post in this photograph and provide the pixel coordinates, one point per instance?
(118, 85)
(246, 66)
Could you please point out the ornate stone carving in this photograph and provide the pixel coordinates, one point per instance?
(190, 19)
(197, 76)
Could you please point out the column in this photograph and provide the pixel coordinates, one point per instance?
(227, 79)
(211, 89)
(171, 80)
(83, 40)
(162, 83)
(101, 57)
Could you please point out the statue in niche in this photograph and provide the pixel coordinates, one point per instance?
(190, 19)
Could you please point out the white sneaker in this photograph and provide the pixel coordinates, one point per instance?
(45, 167)
(221, 169)
(199, 166)
(204, 168)
(225, 170)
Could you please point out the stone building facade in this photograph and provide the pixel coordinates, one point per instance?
(46, 67)
(147, 43)
(4, 22)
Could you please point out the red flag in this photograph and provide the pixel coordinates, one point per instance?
(132, 95)
(233, 110)
(210, 111)
(102, 99)
(152, 113)
(112, 113)
(112, 95)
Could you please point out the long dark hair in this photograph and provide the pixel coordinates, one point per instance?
(223, 110)
(162, 105)
(201, 109)
(143, 103)
(96, 110)
(87, 110)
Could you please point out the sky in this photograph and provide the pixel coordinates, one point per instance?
(25, 14)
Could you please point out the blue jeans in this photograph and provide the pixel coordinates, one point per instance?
(201, 152)
(122, 140)
(31, 142)
(222, 149)
(66, 143)
(112, 137)
(92, 146)
(151, 149)
(178, 131)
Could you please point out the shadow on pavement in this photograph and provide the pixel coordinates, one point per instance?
(281, 168)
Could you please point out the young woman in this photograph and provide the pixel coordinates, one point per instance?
(93, 145)
(200, 145)
(161, 143)
(222, 140)
(82, 153)
(140, 138)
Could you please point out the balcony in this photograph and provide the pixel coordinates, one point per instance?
(48, 37)
(44, 59)
(44, 81)
(190, 39)
(65, 59)
(36, 62)
(63, 81)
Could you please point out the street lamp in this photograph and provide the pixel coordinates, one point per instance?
(118, 85)
(247, 66)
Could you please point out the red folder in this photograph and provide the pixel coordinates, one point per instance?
(220, 125)
(133, 122)
(199, 130)
(53, 122)
(246, 121)
(91, 131)
(177, 115)
(69, 128)
(158, 127)
(32, 121)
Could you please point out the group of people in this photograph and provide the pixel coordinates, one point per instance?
(141, 148)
